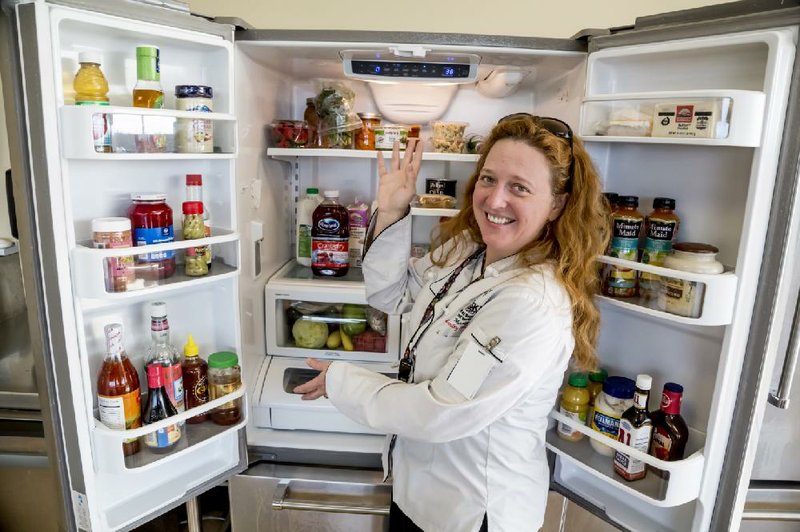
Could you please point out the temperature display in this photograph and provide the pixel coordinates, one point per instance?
(411, 70)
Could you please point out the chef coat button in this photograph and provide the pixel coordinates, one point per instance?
(429, 276)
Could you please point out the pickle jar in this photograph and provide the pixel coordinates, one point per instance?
(195, 264)
(224, 377)
(365, 137)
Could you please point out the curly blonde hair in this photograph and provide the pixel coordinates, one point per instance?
(571, 241)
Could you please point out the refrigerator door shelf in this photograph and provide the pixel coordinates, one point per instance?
(718, 297)
(132, 130)
(681, 486)
(289, 154)
(91, 266)
(631, 117)
(108, 442)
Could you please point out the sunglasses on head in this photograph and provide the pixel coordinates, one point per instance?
(554, 126)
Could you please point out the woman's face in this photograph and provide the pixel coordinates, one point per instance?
(513, 198)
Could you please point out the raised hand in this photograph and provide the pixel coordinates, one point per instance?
(397, 183)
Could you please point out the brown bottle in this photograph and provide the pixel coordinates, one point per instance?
(670, 432)
(635, 430)
(195, 380)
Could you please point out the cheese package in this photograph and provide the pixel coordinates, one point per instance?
(692, 119)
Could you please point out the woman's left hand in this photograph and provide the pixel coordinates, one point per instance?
(315, 388)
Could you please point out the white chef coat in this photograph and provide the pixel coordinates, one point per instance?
(457, 458)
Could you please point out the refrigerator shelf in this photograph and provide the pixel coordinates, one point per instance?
(288, 154)
(631, 117)
(419, 211)
(132, 129)
(718, 299)
(681, 486)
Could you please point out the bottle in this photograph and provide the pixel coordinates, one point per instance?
(148, 94)
(195, 379)
(162, 352)
(194, 192)
(158, 407)
(224, 377)
(670, 432)
(635, 430)
(305, 219)
(91, 88)
(611, 403)
(312, 119)
(118, 392)
(595, 386)
(151, 219)
(330, 236)
(358, 221)
(661, 228)
(626, 226)
(574, 404)
(195, 257)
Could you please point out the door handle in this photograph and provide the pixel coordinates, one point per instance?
(280, 501)
(780, 398)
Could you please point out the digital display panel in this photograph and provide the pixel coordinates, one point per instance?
(392, 69)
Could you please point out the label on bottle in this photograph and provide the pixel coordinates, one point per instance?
(121, 412)
(163, 438)
(577, 416)
(656, 247)
(681, 297)
(624, 245)
(304, 240)
(101, 133)
(198, 393)
(605, 423)
(662, 444)
(154, 235)
(639, 439)
(173, 383)
(330, 253)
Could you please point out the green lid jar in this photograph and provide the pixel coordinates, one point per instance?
(224, 377)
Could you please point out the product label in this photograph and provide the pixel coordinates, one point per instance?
(304, 240)
(657, 246)
(216, 391)
(173, 383)
(121, 412)
(662, 444)
(101, 133)
(154, 235)
(624, 245)
(695, 119)
(605, 424)
(639, 439)
(577, 416)
(163, 438)
(681, 297)
(330, 225)
(330, 253)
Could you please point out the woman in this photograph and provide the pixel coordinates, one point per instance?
(500, 305)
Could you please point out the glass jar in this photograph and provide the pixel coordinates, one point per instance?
(365, 137)
(681, 296)
(194, 262)
(224, 377)
(194, 135)
(610, 404)
(111, 233)
(151, 219)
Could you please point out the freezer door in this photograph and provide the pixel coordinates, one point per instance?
(58, 192)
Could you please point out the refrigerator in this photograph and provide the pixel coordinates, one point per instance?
(735, 188)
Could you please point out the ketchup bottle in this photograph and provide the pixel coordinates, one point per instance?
(330, 236)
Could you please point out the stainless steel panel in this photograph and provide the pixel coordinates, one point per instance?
(323, 499)
(772, 507)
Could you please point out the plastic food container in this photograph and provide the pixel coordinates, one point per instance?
(385, 136)
(289, 133)
(109, 233)
(436, 201)
(448, 137)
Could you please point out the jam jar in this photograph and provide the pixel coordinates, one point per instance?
(151, 219)
(365, 137)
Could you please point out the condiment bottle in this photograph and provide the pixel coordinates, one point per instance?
(611, 403)
(91, 88)
(195, 263)
(365, 137)
(330, 237)
(193, 135)
(195, 379)
(162, 352)
(670, 432)
(626, 226)
(661, 228)
(681, 296)
(305, 221)
(635, 430)
(158, 407)
(113, 233)
(151, 219)
(312, 119)
(358, 220)
(574, 404)
(595, 386)
(194, 192)
(224, 377)
(118, 392)
(148, 94)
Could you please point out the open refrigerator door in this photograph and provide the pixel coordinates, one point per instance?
(75, 178)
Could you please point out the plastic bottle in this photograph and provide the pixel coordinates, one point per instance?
(330, 236)
(358, 217)
(118, 391)
(305, 219)
(670, 432)
(162, 352)
(626, 227)
(149, 94)
(635, 430)
(195, 379)
(194, 192)
(596, 380)
(661, 228)
(611, 403)
(159, 407)
(91, 88)
(195, 263)
(574, 404)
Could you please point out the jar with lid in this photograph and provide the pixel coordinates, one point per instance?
(111, 233)
(574, 404)
(365, 137)
(195, 263)
(595, 386)
(224, 377)
(194, 135)
(611, 403)
(151, 219)
(681, 296)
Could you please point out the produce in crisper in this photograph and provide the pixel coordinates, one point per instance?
(346, 342)
(354, 312)
(370, 341)
(334, 340)
(310, 334)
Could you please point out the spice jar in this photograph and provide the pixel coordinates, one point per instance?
(365, 137)
(194, 135)
(681, 296)
(151, 219)
(224, 377)
(111, 233)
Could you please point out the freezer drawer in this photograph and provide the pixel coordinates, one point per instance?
(294, 498)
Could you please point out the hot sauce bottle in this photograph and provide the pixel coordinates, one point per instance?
(118, 393)
(195, 379)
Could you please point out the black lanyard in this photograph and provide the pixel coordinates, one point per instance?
(406, 369)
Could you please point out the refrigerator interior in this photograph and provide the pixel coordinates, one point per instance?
(118, 492)
(722, 187)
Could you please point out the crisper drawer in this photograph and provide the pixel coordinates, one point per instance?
(302, 498)
(308, 316)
